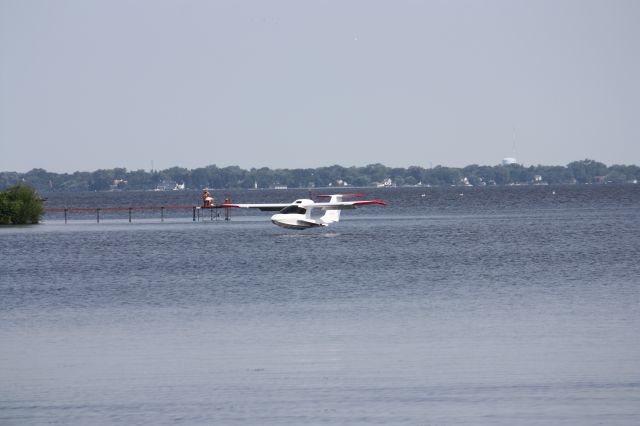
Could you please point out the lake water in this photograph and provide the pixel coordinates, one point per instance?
(451, 306)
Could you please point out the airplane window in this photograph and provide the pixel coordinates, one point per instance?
(293, 210)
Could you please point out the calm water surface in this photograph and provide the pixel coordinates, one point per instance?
(514, 305)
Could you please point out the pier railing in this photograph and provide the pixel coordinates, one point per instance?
(195, 210)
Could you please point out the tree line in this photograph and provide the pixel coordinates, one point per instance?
(234, 177)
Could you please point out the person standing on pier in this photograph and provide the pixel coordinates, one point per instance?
(207, 199)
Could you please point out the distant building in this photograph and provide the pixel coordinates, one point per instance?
(509, 160)
(169, 185)
(115, 184)
(386, 183)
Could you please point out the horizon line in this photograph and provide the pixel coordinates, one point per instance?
(318, 167)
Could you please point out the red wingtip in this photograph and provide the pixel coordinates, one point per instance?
(362, 203)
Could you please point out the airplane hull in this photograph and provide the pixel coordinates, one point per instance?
(291, 226)
(293, 221)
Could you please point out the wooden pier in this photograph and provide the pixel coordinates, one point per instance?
(196, 211)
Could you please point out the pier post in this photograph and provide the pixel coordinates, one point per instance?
(97, 215)
(194, 213)
(129, 214)
(162, 214)
(65, 215)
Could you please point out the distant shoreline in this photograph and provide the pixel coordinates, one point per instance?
(341, 189)
(370, 176)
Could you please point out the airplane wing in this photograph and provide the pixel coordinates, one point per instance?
(343, 205)
(335, 203)
(261, 207)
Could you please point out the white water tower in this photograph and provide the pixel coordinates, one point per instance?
(509, 160)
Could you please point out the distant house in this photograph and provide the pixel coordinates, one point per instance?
(169, 185)
(386, 183)
(117, 184)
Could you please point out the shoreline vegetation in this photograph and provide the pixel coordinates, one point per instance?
(373, 175)
(20, 205)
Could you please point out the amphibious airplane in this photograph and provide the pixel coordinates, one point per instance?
(297, 215)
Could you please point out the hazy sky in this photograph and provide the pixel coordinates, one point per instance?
(101, 84)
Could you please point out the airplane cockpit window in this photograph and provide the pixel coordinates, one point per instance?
(293, 210)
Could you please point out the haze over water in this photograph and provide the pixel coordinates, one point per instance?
(466, 306)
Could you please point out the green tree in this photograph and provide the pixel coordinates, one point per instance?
(20, 205)
(101, 179)
(377, 172)
(554, 174)
(443, 176)
(622, 174)
(9, 178)
(502, 175)
(520, 174)
(586, 170)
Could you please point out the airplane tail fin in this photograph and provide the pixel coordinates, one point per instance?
(332, 216)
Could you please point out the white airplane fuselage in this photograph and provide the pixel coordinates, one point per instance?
(297, 216)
